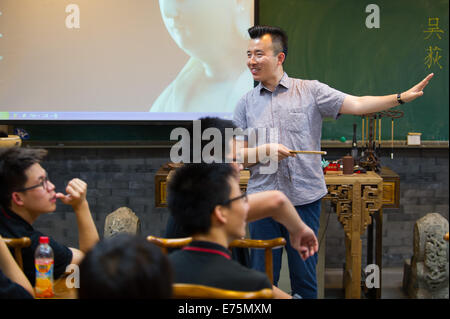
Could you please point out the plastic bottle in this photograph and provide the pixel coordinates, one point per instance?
(43, 260)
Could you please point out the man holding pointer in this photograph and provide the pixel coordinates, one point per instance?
(294, 108)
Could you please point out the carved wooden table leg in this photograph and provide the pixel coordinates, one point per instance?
(355, 250)
(379, 247)
(356, 198)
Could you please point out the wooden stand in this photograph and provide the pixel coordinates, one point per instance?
(356, 198)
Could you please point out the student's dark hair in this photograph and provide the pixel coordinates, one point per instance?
(125, 266)
(279, 37)
(195, 190)
(212, 122)
(14, 162)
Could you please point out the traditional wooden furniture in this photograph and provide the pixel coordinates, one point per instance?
(161, 179)
(391, 188)
(10, 141)
(267, 245)
(167, 243)
(18, 244)
(191, 291)
(356, 198)
(62, 291)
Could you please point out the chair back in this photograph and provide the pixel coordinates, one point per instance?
(267, 245)
(18, 244)
(191, 291)
(165, 243)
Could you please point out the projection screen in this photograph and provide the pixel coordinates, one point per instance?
(125, 60)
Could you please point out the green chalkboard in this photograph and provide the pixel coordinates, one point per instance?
(330, 42)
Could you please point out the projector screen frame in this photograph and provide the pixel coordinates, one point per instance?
(154, 122)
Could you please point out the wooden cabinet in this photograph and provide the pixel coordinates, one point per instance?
(391, 188)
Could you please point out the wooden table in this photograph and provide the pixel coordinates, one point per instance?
(61, 291)
(358, 200)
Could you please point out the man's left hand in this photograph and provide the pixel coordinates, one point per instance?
(417, 90)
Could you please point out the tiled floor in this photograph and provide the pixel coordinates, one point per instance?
(391, 282)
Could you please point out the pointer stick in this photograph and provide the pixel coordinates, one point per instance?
(308, 152)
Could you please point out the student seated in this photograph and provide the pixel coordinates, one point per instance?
(27, 193)
(266, 204)
(13, 283)
(125, 266)
(205, 199)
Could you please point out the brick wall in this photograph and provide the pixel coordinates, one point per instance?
(115, 178)
(125, 177)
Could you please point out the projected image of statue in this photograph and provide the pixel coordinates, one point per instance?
(214, 35)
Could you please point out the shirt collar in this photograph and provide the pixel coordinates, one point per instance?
(284, 82)
(9, 215)
(208, 247)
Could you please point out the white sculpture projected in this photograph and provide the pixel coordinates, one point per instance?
(116, 60)
(214, 35)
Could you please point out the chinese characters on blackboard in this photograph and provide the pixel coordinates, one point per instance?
(432, 36)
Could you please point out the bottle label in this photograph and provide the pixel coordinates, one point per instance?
(44, 278)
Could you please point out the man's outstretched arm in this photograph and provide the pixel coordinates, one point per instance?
(359, 105)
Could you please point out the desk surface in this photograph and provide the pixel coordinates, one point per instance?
(61, 291)
(369, 177)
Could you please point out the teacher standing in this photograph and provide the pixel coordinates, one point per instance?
(295, 109)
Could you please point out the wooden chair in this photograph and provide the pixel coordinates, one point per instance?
(18, 244)
(166, 243)
(191, 291)
(267, 245)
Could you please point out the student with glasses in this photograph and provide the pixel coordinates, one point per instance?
(205, 199)
(27, 193)
(271, 203)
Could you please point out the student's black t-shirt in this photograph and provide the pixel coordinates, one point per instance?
(11, 290)
(210, 264)
(174, 230)
(13, 226)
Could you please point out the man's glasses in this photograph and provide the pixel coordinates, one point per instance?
(43, 183)
(228, 202)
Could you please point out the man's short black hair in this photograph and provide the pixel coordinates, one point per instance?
(195, 190)
(125, 267)
(212, 122)
(279, 37)
(14, 162)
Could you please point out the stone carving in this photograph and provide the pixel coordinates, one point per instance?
(122, 220)
(426, 274)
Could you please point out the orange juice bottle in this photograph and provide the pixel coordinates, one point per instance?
(43, 260)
